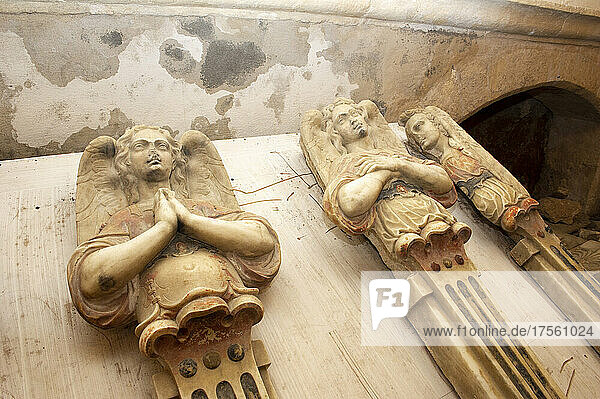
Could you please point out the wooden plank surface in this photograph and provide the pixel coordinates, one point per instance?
(311, 327)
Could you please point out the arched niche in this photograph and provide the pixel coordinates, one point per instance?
(548, 136)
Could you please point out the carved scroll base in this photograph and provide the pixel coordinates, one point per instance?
(498, 367)
(443, 251)
(208, 357)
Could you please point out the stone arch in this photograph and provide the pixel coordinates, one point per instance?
(497, 68)
(548, 136)
(575, 89)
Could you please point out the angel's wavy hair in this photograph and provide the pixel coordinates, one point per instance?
(122, 164)
(437, 122)
(327, 122)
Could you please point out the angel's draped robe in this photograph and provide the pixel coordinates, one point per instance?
(490, 195)
(402, 215)
(185, 270)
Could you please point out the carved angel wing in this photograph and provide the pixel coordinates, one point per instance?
(383, 136)
(319, 151)
(474, 149)
(207, 179)
(99, 192)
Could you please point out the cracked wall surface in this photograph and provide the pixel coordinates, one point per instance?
(65, 79)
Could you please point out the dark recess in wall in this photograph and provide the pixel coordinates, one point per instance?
(547, 138)
(515, 131)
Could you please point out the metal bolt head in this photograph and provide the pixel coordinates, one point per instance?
(427, 247)
(235, 352)
(211, 360)
(188, 368)
(459, 259)
(447, 263)
(435, 266)
(227, 321)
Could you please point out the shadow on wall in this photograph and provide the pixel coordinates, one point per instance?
(549, 138)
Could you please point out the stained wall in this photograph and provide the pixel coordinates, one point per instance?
(67, 77)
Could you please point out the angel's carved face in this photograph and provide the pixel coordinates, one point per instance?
(150, 155)
(423, 131)
(349, 122)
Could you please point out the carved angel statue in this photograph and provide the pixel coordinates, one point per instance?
(372, 184)
(163, 241)
(493, 190)
(499, 197)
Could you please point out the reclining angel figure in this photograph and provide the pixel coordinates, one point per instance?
(163, 241)
(500, 198)
(373, 186)
(492, 189)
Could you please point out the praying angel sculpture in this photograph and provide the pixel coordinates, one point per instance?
(492, 189)
(162, 240)
(501, 199)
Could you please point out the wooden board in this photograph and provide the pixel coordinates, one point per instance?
(311, 327)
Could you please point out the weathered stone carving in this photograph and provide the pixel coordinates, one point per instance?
(499, 196)
(373, 186)
(163, 241)
(492, 189)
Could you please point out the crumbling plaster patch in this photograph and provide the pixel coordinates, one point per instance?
(217, 130)
(236, 51)
(141, 88)
(10, 148)
(229, 63)
(224, 104)
(145, 92)
(63, 47)
(201, 27)
(398, 68)
(251, 115)
(159, 76)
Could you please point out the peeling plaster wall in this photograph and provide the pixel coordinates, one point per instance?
(65, 79)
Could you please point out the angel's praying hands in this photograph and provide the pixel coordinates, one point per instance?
(245, 237)
(109, 269)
